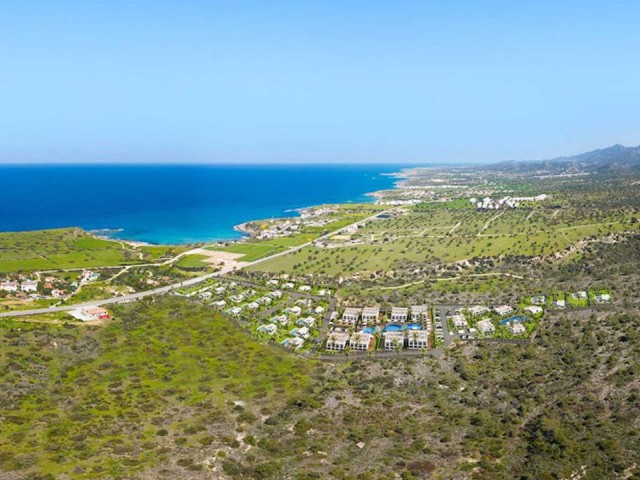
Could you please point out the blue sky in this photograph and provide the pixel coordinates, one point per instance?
(276, 81)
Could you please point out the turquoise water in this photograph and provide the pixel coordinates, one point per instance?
(174, 204)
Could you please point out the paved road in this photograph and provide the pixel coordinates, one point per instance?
(192, 281)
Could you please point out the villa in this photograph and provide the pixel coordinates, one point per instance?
(319, 309)
(288, 285)
(419, 313)
(304, 288)
(503, 310)
(399, 314)
(516, 328)
(478, 310)
(275, 294)
(351, 315)
(560, 303)
(486, 327)
(295, 342)
(269, 328)
(535, 310)
(393, 340)
(579, 295)
(337, 341)
(235, 311)
(370, 314)
(219, 303)
(296, 310)
(303, 332)
(538, 300)
(459, 321)
(361, 342)
(9, 286)
(29, 286)
(308, 321)
(281, 319)
(253, 306)
(603, 298)
(418, 339)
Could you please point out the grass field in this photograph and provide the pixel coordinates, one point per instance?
(105, 401)
(61, 248)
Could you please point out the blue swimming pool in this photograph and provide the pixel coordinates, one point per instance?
(515, 319)
(414, 326)
(370, 329)
(392, 327)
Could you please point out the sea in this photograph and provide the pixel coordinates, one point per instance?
(175, 204)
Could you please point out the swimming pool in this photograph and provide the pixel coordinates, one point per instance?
(515, 319)
(414, 326)
(392, 327)
(370, 329)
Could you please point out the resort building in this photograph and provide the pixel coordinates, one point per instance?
(29, 286)
(579, 295)
(419, 313)
(560, 303)
(337, 341)
(399, 314)
(361, 342)
(370, 315)
(478, 310)
(516, 328)
(9, 286)
(603, 298)
(418, 339)
(534, 309)
(459, 321)
(269, 328)
(351, 315)
(393, 340)
(304, 288)
(486, 327)
(503, 310)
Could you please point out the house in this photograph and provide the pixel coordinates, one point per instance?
(534, 309)
(399, 314)
(319, 309)
(579, 295)
(503, 310)
(603, 298)
(57, 293)
(219, 303)
(288, 285)
(538, 300)
(459, 321)
(478, 310)
(235, 311)
(303, 332)
(361, 342)
(324, 292)
(516, 328)
(9, 286)
(29, 286)
(220, 290)
(281, 319)
(393, 340)
(308, 321)
(370, 314)
(337, 341)
(486, 327)
(237, 298)
(295, 310)
(275, 294)
(419, 313)
(96, 313)
(203, 295)
(295, 342)
(560, 303)
(253, 306)
(264, 300)
(304, 288)
(273, 282)
(351, 315)
(418, 339)
(269, 328)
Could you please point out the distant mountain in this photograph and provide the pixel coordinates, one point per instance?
(611, 159)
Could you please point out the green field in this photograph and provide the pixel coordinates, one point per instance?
(62, 248)
(102, 402)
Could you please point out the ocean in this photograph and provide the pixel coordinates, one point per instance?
(165, 204)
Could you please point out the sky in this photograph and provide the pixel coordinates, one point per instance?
(319, 82)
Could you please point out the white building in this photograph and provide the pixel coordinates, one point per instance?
(534, 309)
(419, 313)
(486, 327)
(418, 339)
(538, 300)
(304, 288)
(459, 321)
(399, 314)
(361, 341)
(269, 328)
(29, 286)
(603, 298)
(351, 315)
(560, 303)
(478, 310)
(337, 341)
(9, 286)
(516, 328)
(393, 340)
(503, 310)
(370, 314)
